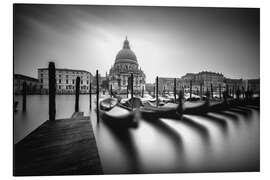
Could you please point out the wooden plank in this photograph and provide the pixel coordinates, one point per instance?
(61, 147)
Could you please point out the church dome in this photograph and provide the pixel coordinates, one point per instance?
(126, 55)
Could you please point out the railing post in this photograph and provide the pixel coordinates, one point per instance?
(24, 96)
(77, 95)
(52, 89)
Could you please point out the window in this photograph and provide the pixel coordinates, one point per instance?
(66, 76)
(59, 87)
(67, 81)
(81, 81)
(59, 75)
(87, 82)
(41, 80)
(73, 81)
(59, 80)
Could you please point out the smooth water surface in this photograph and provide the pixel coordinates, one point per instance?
(226, 141)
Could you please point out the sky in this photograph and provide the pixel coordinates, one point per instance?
(168, 41)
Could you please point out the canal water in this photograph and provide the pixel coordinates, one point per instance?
(226, 141)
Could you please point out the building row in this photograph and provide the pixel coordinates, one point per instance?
(205, 80)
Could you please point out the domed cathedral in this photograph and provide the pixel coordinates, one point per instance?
(125, 64)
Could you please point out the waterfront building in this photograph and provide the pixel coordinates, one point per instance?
(204, 78)
(234, 84)
(125, 64)
(65, 80)
(207, 78)
(33, 85)
(254, 85)
(166, 84)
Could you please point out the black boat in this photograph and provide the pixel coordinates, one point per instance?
(201, 109)
(114, 115)
(151, 112)
(148, 110)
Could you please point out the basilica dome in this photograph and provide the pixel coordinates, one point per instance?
(126, 55)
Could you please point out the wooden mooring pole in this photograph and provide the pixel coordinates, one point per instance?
(131, 85)
(111, 90)
(233, 91)
(24, 92)
(190, 90)
(212, 91)
(90, 95)
(127, 91)
(97, 91)
(174, 90)
(52, 89)
(157, 91)
(219, 87)
(142, 91)
(77, 94)
(201, 93)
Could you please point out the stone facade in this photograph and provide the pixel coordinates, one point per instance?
(125, 64)
(33, 86)
(65, 80)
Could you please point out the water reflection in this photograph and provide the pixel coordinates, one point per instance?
(125, 139)
(202, 130)
(220, 122)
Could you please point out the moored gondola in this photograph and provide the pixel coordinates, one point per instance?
(114, 115)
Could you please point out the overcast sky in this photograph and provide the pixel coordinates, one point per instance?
(168, 41)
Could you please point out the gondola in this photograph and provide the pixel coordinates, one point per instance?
(201, 109)
(149, 111)
(114, 115)
(152, 112)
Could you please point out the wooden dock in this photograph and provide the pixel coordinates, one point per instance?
(60, 147)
